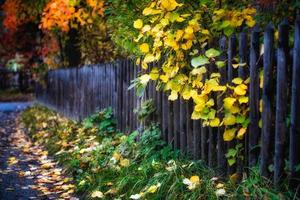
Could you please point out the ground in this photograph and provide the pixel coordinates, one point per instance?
(26, 170)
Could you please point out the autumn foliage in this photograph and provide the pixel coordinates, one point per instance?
(64, 14)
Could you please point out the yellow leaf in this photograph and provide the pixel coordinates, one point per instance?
(214, 122)
(12, 161)
(215, 75)
(228, 102)
(235, 65)
(124, 162)
(149, 58)
(240, 90)
(152, 189)
(179, 34)
(260, 123)
(144, 65)
(117, 156)
(150, 11)
(210, 103)
(189, 30)
(196, 115)
(164, 78)
(186, 94)
(173, 96)
(200, 105)
(144, 48)
(170, 5)
(195, 179)
(146, 28)
(247, 81)
(201, 70)
(180, 19)
(260, 105)
(234, 109)
(138, 61)
(243, 100)
(154, 74)
(97, 194)
(229, 134)
(138, 24)
(250, 22)
(144, 79)
(233, 178)
(229, 120)
(241, 133)
(237, 81)
(164, 22)
(219, 88)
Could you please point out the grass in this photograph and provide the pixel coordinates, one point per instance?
(107, 164)
(10, 95)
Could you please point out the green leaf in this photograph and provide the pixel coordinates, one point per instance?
(240, 119)
(231, 153)
(211, 53)
(231, 161)
(220, 64)
(246, 122)
(228, 31)
(199, 61)
(212, 114)
(225, 24)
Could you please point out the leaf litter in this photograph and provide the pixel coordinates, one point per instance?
(18, 154)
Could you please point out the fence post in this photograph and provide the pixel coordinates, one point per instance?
(176, 123)
(189, 127)
(281, 99)
(242, 71)
(183, 128)
(243, 74)
(231, 52)
(254, 130)
(221, 159)
(267, 97)
(295, 107)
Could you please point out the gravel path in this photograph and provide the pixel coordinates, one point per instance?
(26, 171)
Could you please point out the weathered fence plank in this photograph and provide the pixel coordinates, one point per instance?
(294, 150)
(281, 99)
(267, 97)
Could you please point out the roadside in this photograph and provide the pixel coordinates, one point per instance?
(26, 171)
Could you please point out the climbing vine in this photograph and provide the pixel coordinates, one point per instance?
(183, 38)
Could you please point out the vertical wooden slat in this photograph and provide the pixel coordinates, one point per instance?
(165, 117)
(176, 123)
(281, 99)
(267, 97)
(182, 126)
(231, 53)
(189, 127)
(124, 91)
(242, 70)
(243, 74)
(197, 135)
(221, 160)
(254, 130)
(120, 94)
(294, 150)
(204, 144)
(170, 114)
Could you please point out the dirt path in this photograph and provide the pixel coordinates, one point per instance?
(26, 171)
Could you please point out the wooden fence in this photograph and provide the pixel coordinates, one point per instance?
(78, 92)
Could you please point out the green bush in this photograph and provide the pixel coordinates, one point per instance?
(110, 165)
